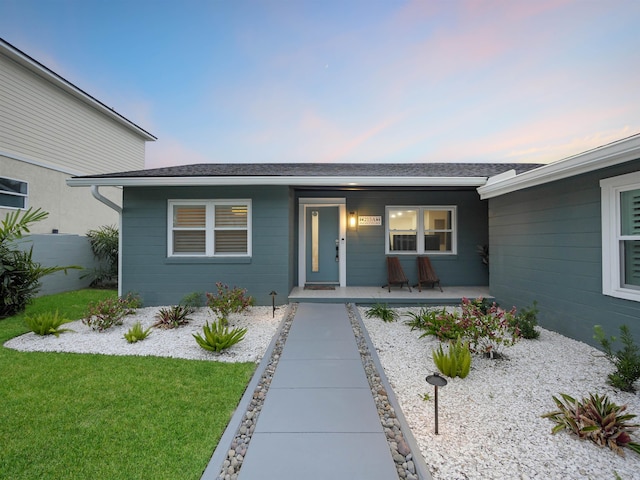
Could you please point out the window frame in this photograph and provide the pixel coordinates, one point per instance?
(612, 237)
(420, 229)
(209, 227)
(25, 196)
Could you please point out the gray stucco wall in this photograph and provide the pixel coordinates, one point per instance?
(546, 245)
(366, 264)
(52, 250)
(159, 280)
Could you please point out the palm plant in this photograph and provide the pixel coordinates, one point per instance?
(19, 274)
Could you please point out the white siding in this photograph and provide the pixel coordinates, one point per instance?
(43, 123)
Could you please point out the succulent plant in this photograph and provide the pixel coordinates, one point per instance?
(597, 419)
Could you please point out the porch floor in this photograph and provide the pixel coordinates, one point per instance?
(372, 295)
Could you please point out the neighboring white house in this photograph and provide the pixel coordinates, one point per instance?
(51, 130)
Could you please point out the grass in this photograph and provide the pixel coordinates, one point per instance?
(78, 416)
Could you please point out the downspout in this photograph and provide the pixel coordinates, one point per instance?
(101, 198)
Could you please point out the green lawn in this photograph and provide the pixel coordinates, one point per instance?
(83, 416)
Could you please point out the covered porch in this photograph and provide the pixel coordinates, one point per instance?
(398, 296)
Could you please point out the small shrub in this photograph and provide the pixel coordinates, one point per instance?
(441, 324)
(596, 419)
(218, 337)
(104, 244)
(173, 317)
(526, 321)
(227, 301)
(193, 300)
(487, 328)
(46, 324)
(109, 312)
(626, 361)
(383, 312)
(136, 333)
(456, 362)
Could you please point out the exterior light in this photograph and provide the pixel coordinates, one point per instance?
(273, 301)
(353, 220)
(437, 381)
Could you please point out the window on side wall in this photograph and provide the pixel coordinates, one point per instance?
(209, 228)
(429, 230)
(13, 193)
(621, 236)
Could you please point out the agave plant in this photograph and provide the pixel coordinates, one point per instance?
(137, 333)
(456, 362)
(597, 419)
(46, 324)
(218, 337)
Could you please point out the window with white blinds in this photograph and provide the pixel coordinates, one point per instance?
(621, 236)
(209, 228)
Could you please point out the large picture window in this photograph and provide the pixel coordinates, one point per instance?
(621, 236)
(13, 193)
(421, 229)
(209, 228)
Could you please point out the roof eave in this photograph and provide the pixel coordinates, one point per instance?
(602, 157)
(277, 180)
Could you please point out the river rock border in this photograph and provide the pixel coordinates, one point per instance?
(400, 450)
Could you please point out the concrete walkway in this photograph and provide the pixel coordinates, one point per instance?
(319, 419)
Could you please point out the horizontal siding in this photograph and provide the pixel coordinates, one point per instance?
(42, 122)
(546, 245)
(366, 258)
(162, 281)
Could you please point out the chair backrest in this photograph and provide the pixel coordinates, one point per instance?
(426, 273)
(395, 273)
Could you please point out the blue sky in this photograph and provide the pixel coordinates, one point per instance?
(348, 81)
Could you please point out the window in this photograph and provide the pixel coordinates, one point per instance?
(209, 228)
(621, 236)
(421, 230)
(13, 193)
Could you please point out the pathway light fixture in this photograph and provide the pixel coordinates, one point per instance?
(437, 381)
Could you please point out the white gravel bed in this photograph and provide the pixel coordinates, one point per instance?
(489, 423)
(175, 343)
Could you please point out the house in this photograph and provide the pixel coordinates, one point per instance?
(567, 235)
(51, 129)
(272, 227)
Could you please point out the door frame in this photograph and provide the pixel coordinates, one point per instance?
(303, 204)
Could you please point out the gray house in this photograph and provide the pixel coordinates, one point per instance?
(270, 227)
(568, 235)
(560, 234)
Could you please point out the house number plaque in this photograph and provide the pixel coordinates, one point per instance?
(369, 220)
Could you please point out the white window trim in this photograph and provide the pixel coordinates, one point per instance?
(611, 188)
(209, 227)
(23, 195)
(420, 229)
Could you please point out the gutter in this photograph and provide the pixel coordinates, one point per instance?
(95, 191)
(325, 181)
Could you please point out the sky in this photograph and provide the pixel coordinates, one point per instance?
(349, 81)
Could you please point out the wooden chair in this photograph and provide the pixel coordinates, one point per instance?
(395, 274)
(426, 274)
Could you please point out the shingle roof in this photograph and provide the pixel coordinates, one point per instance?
(326, 170)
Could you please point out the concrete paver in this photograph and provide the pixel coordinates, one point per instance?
(319, 419)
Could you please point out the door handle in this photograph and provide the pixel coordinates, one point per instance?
(337, 250)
